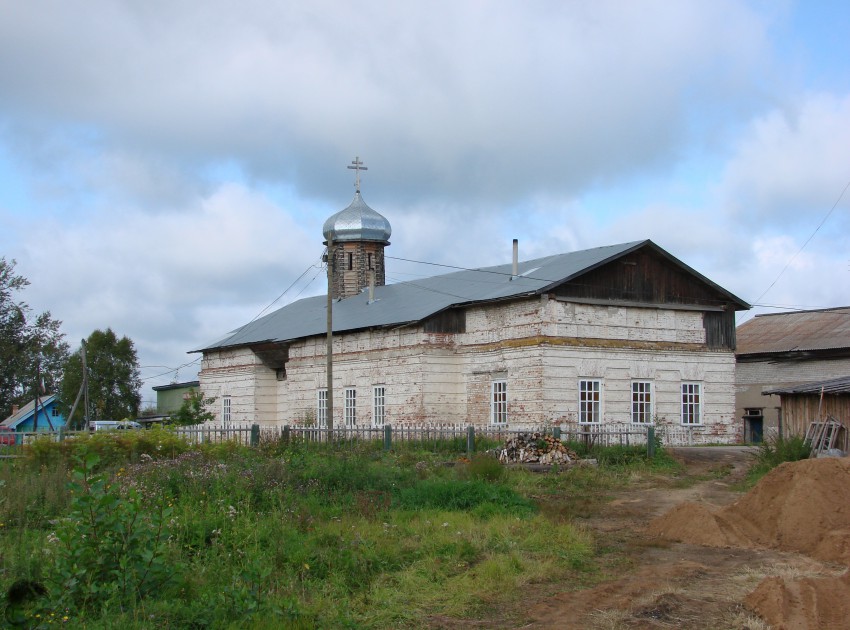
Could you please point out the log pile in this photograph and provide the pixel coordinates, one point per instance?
(535, 448)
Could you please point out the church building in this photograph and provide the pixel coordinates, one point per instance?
(620, 334)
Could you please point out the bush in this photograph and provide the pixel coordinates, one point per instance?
(110, 548)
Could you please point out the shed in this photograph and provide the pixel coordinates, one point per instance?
(803, 404)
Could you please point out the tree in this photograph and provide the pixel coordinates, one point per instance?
(32, 348)
(193, 410)
(114, 379)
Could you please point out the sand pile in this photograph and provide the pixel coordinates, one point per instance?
(802, 507)
(816, 603)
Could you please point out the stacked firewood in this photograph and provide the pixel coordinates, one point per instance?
(535, 448)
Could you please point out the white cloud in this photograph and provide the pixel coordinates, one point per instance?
(792, 164)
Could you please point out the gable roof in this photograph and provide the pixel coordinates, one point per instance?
(800, 331)
(409, 302)
(26, 411)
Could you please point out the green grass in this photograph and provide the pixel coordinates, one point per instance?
(772, 453)
(296, 536)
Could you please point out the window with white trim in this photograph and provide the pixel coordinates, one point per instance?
(691, 403)
(225, 409)
(499, 402)
(350, 407)
(322, 407)
(378, 405)
(642, 402)
(589, 401)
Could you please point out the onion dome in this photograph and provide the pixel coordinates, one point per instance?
(358, 222)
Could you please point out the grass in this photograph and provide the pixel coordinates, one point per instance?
(771, 454)
(288, 536)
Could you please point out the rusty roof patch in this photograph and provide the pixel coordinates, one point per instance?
(799, 331)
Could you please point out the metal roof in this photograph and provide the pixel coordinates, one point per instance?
(832, 386)
(800, 331)
(357, 222)
(409, 302)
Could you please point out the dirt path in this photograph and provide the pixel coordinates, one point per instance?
(658, 584)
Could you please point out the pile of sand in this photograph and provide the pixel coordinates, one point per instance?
(802, 507)
(821, 603)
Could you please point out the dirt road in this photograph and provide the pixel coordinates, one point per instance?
(656, 584)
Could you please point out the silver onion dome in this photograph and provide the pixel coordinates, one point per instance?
(358, 222)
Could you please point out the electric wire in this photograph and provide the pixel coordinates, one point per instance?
(808, 240)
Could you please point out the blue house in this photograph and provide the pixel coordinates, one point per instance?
(49, 417)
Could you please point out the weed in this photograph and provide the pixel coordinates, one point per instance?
(771, 453)
(110, 548)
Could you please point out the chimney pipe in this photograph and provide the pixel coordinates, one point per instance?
(515, 271)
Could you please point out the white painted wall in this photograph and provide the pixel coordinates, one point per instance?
(541, 346)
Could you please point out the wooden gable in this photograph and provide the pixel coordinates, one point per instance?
(646, 277)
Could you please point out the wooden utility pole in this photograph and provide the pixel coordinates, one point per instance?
(330, 365)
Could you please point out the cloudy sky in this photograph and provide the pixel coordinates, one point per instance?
(166, 166)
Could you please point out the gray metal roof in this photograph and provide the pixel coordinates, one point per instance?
(357, 222)
(831, 386)
(409, 302)
(800, 331)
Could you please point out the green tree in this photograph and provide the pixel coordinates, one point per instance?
(114, 379)
(32, 348)
(193, 410)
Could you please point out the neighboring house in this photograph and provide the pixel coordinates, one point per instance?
(619, 334)
(169, 398)
(816, 402)
(787, 349)
(49, 416)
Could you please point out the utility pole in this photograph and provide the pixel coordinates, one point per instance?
(85, 386)
(37, 388)
(330, 365)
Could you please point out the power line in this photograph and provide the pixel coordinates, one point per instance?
(258, 315)
(817, 229)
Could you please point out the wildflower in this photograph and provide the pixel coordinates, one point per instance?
(445, 524)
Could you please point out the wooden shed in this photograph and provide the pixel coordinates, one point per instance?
(816, 402)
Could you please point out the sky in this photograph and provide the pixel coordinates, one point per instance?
(166, 166)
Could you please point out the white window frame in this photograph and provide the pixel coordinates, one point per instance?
(692, 403)
(590, 401)
(379, 405)
(350, 415)
(499, 402)
(642, 402)
(322, 407)
(226, 409)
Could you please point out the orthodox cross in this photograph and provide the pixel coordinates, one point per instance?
(357, 166)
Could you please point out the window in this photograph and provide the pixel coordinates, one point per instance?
(369, 260)
(350, 261)
(378, 401)
(225, 409)
(499, 402)
(642, 402)
(54, 412)
(589, 401)
(691, 403)
(322, 407)
(350, 407)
